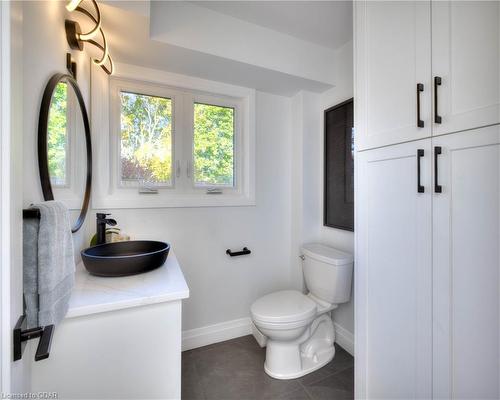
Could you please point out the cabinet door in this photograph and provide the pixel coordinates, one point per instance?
(466, 225)
(393, 273)
(392, 56)
(465, 56)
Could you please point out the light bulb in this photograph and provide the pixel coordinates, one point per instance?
(71, 6)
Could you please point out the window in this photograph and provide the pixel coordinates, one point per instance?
(145, 139)
(213, 145)
(57, 136)
(178, 147)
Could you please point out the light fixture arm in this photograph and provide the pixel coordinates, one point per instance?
(76, 38)
(97, 20)
(111, 68)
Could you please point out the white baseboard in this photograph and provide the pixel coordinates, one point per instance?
(206, 335)
(193, 338)
(344, 338)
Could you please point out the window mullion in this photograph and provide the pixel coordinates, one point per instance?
(187, 134)
(178, 143)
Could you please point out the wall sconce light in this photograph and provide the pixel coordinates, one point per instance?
(76, 38)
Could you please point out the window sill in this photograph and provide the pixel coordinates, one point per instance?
(172, 201)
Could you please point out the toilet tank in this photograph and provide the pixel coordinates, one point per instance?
(327, 272)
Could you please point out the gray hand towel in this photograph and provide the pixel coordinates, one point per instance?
(30, 270)
(49, 265)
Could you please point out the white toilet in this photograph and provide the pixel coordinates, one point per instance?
(298, 327)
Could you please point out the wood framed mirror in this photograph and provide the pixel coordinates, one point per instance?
(64, 146)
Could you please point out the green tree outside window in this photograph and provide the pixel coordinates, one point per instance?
(146, 138)
(213, 145)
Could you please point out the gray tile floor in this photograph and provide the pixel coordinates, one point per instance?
(234, 370)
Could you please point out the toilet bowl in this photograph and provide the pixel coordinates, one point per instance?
(298, 328)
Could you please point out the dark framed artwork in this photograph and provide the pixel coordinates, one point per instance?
(339, 167)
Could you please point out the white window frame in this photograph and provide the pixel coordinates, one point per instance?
(121, 85)
(183, 91)
(237, 141)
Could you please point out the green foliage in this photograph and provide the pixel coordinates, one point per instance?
(146, 137)
(146, 140)
(57, 138)
(213, 144)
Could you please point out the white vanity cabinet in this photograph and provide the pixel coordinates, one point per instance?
(121, 338)
(424, 68)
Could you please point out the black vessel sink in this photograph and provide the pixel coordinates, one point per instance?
(125, 258)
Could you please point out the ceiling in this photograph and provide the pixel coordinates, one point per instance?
(128, 35)
(326, 23)
(321, 28)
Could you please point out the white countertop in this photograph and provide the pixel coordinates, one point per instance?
(94, 294)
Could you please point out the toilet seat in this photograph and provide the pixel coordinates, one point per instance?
(284, 308)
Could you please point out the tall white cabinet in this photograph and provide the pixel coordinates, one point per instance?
(466, 276)
(465, 48)
(393, 72)
(427, 199)
(425, 68)
(394, 273)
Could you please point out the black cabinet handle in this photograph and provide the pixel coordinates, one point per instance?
(437, 187)
(420, 88)
(437, 82)
(420, 154)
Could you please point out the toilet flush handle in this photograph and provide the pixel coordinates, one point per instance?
(302, 257)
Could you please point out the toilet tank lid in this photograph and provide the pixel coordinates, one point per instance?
(327, 254)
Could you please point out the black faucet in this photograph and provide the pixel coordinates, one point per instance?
(101, 223)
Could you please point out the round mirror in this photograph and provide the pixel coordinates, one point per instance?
(64, 147)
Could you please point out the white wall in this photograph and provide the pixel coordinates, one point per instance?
(21, 369)
(343, 240)
(43, 47)
(305, 179)
(288, 209)
(307, 203)
(223, 288)
(15, 376)
(297, 190)
(44, 54)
